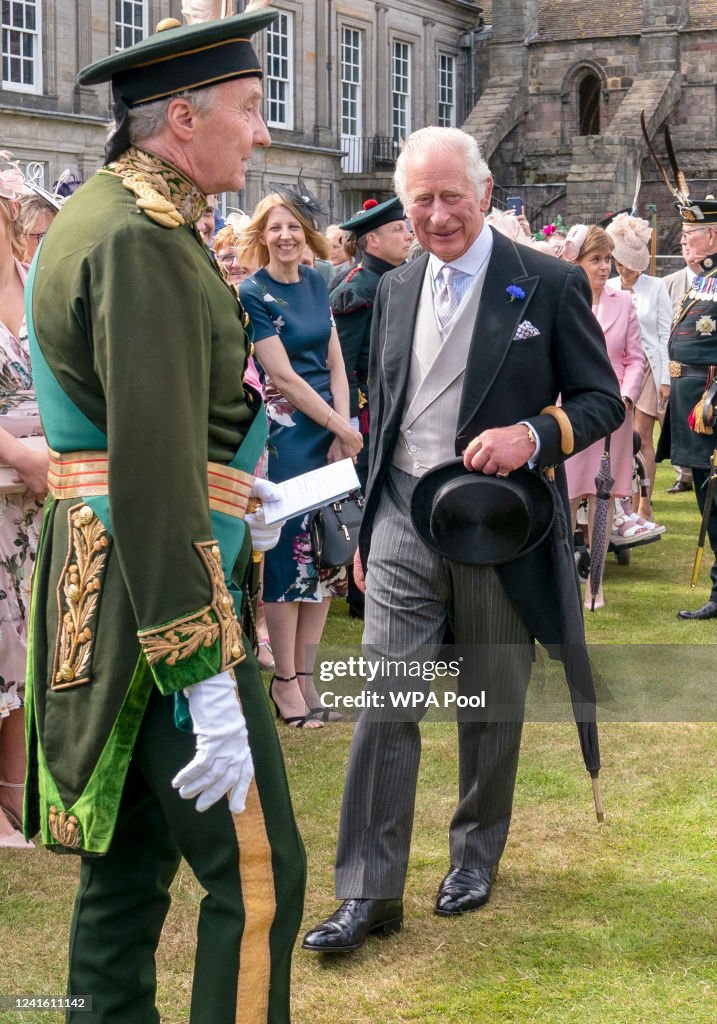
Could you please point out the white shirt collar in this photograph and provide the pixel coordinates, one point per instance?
(472, 259)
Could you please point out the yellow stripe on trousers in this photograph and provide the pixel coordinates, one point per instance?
(257, 883)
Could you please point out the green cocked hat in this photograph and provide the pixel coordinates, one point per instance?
(174, 59)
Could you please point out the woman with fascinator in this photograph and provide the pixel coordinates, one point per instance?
(590, 247)
(21, 502)
(631, 239)
(307, 401)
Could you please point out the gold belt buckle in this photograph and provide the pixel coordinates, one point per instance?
(675, 368)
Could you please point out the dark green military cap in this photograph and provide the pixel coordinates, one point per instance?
(374, 216)
(698, 211)
(176, 58)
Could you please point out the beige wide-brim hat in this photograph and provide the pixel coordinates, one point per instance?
(631, 239)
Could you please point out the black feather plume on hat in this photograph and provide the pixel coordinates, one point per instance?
(303, 200)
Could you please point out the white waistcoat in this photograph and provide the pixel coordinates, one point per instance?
(435, 381)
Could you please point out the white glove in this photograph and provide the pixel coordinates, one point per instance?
(263, 537)
(223, 763)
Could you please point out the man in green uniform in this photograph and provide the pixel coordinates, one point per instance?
(139, 351)
(688, 436)
(383, 241)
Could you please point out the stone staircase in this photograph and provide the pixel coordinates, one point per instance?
(499, 109)
(604, 167)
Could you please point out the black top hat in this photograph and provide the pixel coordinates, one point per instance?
(374, 216)
(469, 517)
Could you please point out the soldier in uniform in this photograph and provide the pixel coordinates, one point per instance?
(688, 436)
(677, 284)
(139, 349)
(383, 241)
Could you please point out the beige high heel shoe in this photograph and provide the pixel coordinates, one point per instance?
(8, 812)
(16, 840)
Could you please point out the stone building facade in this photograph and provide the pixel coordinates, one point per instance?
(344, 80)
(558, 116)
(552, 90)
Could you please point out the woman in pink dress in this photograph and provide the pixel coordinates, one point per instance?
(20, 509)
(590, 247)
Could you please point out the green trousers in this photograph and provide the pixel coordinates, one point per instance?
(251, 866)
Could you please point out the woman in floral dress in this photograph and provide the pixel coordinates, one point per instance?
(307, 400)
(20, 511)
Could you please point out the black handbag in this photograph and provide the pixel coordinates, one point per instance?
(334, 531)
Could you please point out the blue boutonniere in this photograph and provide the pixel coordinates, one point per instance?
(515, 292)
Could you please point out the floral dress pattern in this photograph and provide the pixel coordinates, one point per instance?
(301, 317)
(20, 516)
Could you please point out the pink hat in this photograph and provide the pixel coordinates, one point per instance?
(574, 241)
(12, 180)
(631, 239)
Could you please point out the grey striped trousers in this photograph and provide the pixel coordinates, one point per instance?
(412, 594)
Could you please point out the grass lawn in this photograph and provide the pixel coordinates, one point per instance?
(602, 924)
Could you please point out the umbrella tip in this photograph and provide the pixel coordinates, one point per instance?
(597, 796)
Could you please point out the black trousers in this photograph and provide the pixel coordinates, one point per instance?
(700, 477)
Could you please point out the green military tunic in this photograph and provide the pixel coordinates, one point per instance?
(139, 350)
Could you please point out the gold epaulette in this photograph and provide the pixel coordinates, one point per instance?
(162, 191)
(152, 203)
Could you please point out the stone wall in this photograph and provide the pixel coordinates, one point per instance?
(668, 53)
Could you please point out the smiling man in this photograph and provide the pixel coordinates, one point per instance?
(150, 735)
(471, 344)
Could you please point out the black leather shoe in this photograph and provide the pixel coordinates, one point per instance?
(707, 611)
(353, 921)
(465, 889)
(679, 487)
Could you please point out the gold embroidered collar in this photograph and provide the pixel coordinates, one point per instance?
(163, 192)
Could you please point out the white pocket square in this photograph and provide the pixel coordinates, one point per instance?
(526, 330)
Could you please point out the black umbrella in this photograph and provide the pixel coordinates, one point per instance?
(572, 651)
(599, 538)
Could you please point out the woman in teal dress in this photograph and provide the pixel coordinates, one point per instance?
(307, 401)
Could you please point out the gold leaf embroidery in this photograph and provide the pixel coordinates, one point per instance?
(78, 592)
(162, 191)
(183, 637)
(232, 648)
(64, 828)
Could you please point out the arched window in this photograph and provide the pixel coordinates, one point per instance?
(589, 105)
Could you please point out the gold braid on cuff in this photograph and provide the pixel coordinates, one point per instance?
(182, 638)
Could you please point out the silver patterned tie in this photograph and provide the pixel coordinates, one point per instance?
(447, 301)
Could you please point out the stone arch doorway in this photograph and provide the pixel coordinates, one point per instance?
(589, 105)
(583, 99)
